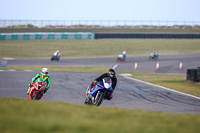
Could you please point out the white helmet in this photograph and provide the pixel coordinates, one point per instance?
(124, 52)
(45, 71)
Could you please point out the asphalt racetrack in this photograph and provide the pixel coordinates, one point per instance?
(71, 87)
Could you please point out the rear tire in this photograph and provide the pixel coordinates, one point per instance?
(150, 58)
(88, 101)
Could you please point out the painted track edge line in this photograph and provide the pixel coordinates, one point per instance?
(162, 87)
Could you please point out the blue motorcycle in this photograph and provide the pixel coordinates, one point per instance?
(98, 93)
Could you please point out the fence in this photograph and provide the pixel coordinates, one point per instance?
(99, 24)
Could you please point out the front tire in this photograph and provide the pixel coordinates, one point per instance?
(34, 97)
(98, 98)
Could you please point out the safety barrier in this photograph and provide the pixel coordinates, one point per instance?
(71, 35)
(193, 75)
(38, 36)
(148, 35)
(3, 63)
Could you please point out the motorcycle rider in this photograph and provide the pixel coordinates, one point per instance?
(57, 54)
(155, 54)
(42, 76)
(111, 74)
(123, 55)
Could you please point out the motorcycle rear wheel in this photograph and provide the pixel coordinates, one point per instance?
(150, 58)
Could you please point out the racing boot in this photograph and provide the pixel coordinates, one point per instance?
(28, 91)
(87, 91)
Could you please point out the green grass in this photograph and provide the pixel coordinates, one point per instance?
(85, 69)
(23, 115)
(95, 48)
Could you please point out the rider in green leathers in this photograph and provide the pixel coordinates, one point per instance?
(44, 77)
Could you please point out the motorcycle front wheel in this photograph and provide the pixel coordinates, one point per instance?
(98, 98)
(34, 95)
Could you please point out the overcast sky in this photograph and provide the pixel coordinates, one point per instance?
(164, 10)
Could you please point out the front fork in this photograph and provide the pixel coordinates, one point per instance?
(94, 99)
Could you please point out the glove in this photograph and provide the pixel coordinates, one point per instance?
(30, 84)
(95, 82)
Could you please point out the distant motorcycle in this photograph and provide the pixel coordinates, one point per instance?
(99, 92)
(153, 57)
(120, 58)
(36, 92)
(57, 58)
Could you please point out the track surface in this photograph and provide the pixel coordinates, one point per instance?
(70, 87)
(167, 63)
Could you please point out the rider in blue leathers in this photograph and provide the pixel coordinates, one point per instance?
(111, 74)
(123, 55)
(155, 54)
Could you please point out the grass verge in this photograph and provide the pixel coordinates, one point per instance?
(85, 69)
(23, 115)
(95, 48)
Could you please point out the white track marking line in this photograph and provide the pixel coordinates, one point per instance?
(9, 58)
(28, 70)
(12, 70)
(125, 76)
(115, 66)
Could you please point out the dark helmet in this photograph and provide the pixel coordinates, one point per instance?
(111, 72)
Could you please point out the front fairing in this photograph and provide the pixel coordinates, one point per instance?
(100, 87)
